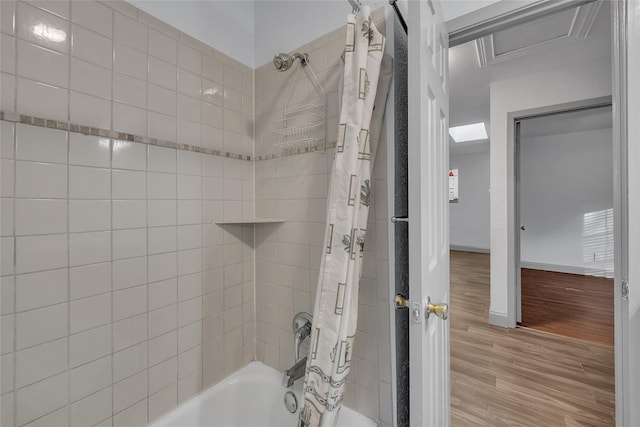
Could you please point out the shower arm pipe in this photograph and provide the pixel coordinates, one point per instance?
(357, 5)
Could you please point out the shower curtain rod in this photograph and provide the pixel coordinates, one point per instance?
(357, 5)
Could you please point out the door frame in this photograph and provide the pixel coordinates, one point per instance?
(513, 140)
(484, 21)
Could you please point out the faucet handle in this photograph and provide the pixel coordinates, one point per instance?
(301, 329)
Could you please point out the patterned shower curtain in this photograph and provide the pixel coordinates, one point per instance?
(336, 305)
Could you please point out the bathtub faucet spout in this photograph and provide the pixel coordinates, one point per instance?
(294, 373)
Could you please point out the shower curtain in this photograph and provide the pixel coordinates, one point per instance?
(336, 305)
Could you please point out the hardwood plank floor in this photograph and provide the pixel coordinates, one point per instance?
(568, 304)
(519, 377)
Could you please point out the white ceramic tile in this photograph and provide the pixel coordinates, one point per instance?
(129, 272)
(232, 77)
(89, 215)
(163, 266)
(91, 79)
(89, 280)
(89, 248)
(189, 286)
(129, 391)
(87, 379)
(37, 363)
(135, 415)
(7, 15)
(129, 361)
(89, 345)
(7, 363)
(129, 155)
(43, 65)
(163, 375)
(8, 334)
(162, 46)
(88, 313)
(57, 7)
(129, 61)
(128, 119)
(41, 180)
(161, 185)
(130, 32)
(129, 90)
(6, 217)
(189, 261)
(129, 302)
(89, 183)
(162, 293)
(213, 69)
(162, 73)
(162, 159)
(129, 184)
(41, 398)
(162, 212)
(92, 409)
(189, 108)
(38, 253)
(31, 94)
(212, 115)
(35, 25)
(189, 163)
(89, 110)
(129, 214)
(161, 100)
(162, 239)
(93, 15)
(163, 347)
(40, 216)
(189, 133)
(8, 99)
(163, 320)
(189, 212)
(7, 141)
(189, 336)
(163, 402)
(91, 47)
(212, 92)
(88, 150)
(189, 59)
(29, 330)
(129, 332)
(161, 126)
(189, 187)
(37, 290)
(189, 361)
(189, 237)
(189, 84)
(7, 168)
(129, 243)
(7, 292)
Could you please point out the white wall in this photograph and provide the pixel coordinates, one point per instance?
(566, 204)
(282, 26)
(469, 218)
(553, 86)
(228, 26)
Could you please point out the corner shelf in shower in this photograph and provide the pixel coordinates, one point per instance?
(250, 221)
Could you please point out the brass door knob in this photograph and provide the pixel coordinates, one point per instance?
(440, 310)
(400, 301)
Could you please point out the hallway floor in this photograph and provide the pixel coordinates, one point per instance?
(519, 377)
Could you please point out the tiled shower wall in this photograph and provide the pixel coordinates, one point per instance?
(288, 255)
(116, 284)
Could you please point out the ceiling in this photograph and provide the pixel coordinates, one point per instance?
(536, 46)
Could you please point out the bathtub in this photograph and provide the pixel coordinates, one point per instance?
(251, 397)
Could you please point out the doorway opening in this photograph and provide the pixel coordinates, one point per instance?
(564, 210)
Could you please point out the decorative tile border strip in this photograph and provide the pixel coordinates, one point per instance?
(112, 134)
(293, 152)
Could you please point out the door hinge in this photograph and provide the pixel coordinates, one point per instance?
(625, 289)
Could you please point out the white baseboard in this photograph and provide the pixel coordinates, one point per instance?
(500, 319)
(464, 248)
(584, 271)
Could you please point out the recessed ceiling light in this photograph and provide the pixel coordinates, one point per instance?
(472, 132)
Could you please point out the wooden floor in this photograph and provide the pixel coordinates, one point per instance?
(519, 377)
(568, 304)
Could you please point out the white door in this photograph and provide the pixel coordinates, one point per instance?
(428, 214)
